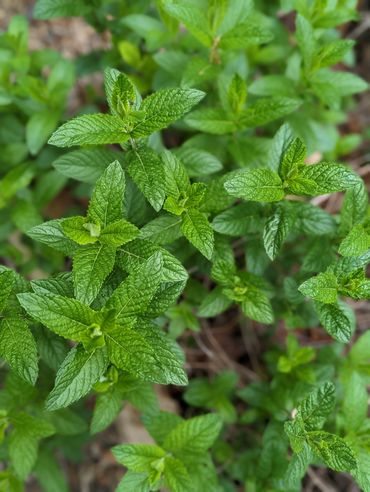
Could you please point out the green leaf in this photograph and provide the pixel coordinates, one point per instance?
(118, 233)
(276, 230)
(330, 86)
(7, 281)
(51, 234)
(86, 165)
(64, 316)
(214, 303)
(333, 450)
(75, 228)
(239, 221)
(306, 40)
(198, 162)
(107, 407)
(164, 107)
(24, 440)
(76, 376)
(211, 120)
(162, 230)
(90, 129)
(193, 437)
(193, 18)
(121, 93)
(138, 457)
(176, 179)
(332, 53)
(39, 128)
(355, 402)
(320, 179)
(146, 169)
(257, 306)
(244, 35)
(91, 266)
(106, 204)
(160, 424)
(177, 476)
(134, 482)
(294, 157)
(260, 185)
(335, 321)
(49, 9)
(132, 297)
(316, 408)
(265, 110)
(356, 243)
(323, 287)
(198, 231)
(18, 348)
(144, 352)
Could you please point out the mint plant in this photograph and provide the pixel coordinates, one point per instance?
(176, 232)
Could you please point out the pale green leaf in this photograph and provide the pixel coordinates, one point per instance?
(260, 185)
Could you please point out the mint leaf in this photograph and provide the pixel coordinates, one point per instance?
(335, 321)
(294, 157)
(316, 408)
(211, 120)
(277, 228)
(24, 441)
(198, 231)
(176, 475)
(75, 228)
(322, 178)
(323, 287)
(333, 450)
(78, 373)
(51, 233)
(132, 297)
(86, 165)
(64, 316)
(118, 233)
(106, 204)
(90, 129)
(265, 110)
(356, 243)
(91, 266)
(138, 457)
(49, 9)
(239, 220)
(259, 185)
(18, 348)
(193, 437)
(256, 306)
(146, 169)
(164, 107)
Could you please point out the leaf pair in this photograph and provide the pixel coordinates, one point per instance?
(176, 461)
(293, 177)
(130, 117)
(305, 430)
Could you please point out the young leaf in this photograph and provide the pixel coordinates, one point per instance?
(259, 185)
(356, 243)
